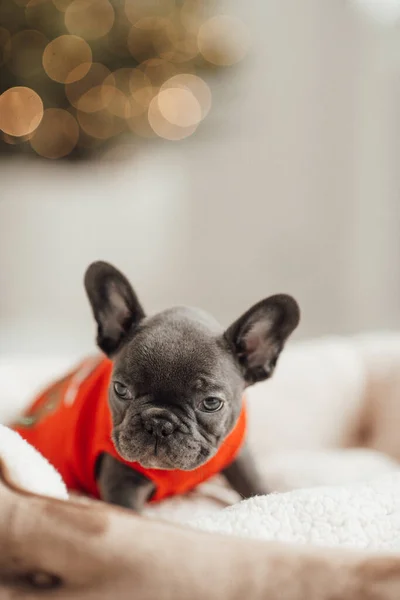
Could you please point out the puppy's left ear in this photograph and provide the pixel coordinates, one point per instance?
(258, 337)
(115, 305)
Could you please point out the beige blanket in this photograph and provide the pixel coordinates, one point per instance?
(58, 549)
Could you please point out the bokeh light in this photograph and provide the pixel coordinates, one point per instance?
(119, 104)
(141, 93)
(90, 19)
(75, 74)
(196, 86)
(164, 128)
(91, 93)
(57, 134)
(101, 124)
(179, 107)
(178, 44)
(223, 40)
(66, 59)
(16, 141)
(138, 81)
(21, 111)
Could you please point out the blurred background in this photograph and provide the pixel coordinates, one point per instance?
(216, 152)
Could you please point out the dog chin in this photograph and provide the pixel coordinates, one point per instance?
(162, 463)
(161, 460)
(155, 463)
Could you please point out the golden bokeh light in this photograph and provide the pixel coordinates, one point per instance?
(177, 44)
(125, 66)
(132, 93)
(119, 103)
(25, 53)
(101, 124)
(91, 93)
(179, 107)
(57, 134)
(162, 127)
(21, 111)
(137, 9)
(16, 141)
(223, 40)
(142, 92)
(137, 81)
(66, 59)
(158, 70)
(196, 86)
(140, 102)
(90, 19)
(5, 46)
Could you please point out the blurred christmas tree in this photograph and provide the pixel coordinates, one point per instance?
(75, 74)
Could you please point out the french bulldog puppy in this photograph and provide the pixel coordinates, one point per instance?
(177, 384)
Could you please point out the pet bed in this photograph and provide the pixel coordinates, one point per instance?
(52, 547)
(327, 395)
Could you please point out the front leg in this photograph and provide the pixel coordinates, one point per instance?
(121, 485)
(243, 475)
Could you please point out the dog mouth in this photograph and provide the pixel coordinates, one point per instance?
(176, 452)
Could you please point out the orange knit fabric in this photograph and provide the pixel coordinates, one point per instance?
(70, 424)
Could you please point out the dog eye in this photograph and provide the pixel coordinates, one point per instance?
(121, 390)
(211, 405)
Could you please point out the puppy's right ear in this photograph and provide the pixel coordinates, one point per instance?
(258, 337)
(114, 303)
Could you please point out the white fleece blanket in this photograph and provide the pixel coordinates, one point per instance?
(298, 423)
(27, 469)
(359, 516)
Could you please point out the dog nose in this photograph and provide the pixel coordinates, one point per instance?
(159, 426)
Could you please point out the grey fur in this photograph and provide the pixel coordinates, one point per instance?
(168, 364)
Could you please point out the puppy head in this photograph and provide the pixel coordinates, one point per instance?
(178, 377)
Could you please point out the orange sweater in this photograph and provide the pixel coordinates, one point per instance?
(70, 424)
